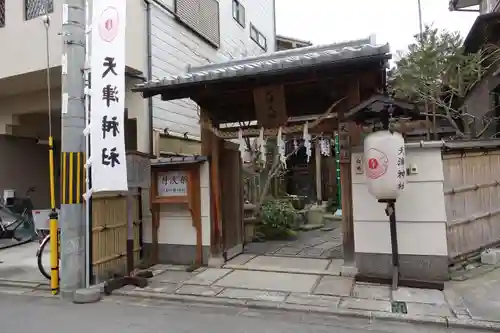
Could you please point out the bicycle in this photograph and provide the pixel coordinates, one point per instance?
(40, 251)
(21, 211)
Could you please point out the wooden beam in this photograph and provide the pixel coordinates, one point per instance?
(326, 128)
(215, 185)
(347, 138)
(317, 164)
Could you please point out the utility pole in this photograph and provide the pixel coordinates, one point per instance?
(420, 18)
(72, 217)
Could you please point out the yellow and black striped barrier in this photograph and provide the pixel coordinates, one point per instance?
(72, 177)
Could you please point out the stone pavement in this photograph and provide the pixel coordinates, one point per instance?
(19, 264)
(322, 243)
(479, 296)
(319, 293)
(288, 284)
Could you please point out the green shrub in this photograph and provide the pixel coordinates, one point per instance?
(278, 217)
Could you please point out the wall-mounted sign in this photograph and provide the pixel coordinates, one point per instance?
(270, 106)
(173, 184)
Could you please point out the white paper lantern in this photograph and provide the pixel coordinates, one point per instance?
(385, 170)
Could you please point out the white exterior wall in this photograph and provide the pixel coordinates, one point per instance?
(175, 47)
(176, 224)
(420, 210)
(24, 41)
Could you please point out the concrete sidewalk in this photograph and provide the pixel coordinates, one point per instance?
(305, 291)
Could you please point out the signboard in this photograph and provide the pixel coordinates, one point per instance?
(107, 141)
(270, 106)
(173, 184)
(399, 307)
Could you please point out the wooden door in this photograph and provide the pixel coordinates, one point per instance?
(329, 177)
(231, 200)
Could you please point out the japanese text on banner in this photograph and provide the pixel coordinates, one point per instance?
(109, 167)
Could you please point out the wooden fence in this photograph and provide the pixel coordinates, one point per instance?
(110, 214)
(472, 199)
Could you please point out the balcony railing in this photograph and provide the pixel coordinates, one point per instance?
(36, 8)
(2, 13)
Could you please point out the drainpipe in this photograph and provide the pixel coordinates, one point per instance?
(150, 72)
(274, 21)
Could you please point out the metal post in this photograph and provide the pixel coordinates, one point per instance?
(73, 124)
(88, 178)
(391, 212)
(53, 216)
(420, 18)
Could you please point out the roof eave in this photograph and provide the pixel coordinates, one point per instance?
(175, 90)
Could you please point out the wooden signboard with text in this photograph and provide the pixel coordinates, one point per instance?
(270, 106)
(177, 184)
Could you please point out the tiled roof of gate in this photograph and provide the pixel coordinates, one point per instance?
(277, 61)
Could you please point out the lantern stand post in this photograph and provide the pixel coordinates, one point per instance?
(391, 212)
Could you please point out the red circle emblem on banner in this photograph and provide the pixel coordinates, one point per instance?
(108, 24)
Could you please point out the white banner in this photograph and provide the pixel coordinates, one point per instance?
(107, 107)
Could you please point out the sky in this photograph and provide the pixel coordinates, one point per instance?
(393, 21)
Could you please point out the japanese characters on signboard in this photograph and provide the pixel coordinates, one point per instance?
(109, 167)
(173, 184)
(401, 169)
(344, 143)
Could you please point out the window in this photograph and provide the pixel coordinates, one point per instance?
(201, 16)
(258, 37)
(2, 13)
(36, 8)
(130, 132)
(239, 13)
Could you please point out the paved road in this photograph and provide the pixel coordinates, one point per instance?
(21, 314)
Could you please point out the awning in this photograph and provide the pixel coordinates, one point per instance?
(162, 161)
(371, 109)
(485, 30)
(462, 4)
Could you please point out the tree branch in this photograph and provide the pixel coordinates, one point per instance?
(273, 171)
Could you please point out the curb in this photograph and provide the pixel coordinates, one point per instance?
(360, 314)
(275, 270)
(22, 284)
(447, 322)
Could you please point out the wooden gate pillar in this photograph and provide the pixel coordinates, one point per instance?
(210, 147)
(346, 138)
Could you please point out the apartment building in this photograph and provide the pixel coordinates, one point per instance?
(481, 6)
(163, 38)
(183, 37)
(288, 43)
(483, 101)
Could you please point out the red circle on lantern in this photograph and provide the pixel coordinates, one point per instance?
(372, 163)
